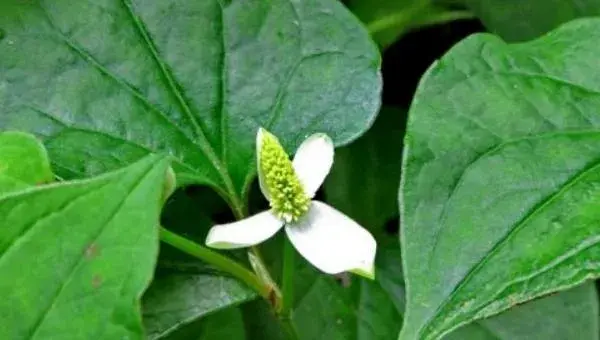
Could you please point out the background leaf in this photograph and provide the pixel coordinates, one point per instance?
(23, 162)
(516, 20)
(499, 204)
(176, 299)
(366, 174)
(89, 248)
(227, 324)
(104, 83)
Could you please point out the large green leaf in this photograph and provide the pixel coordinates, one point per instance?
(501, 180)
(23, 162)
(518, 20)
(364, 180)
(106, 82)
(76, 256)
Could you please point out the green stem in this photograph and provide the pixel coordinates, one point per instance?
(287, 281)
(444, 17)
(395, 19)
(406, 18)
(217, 260)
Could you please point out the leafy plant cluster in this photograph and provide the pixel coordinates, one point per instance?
(128, 130)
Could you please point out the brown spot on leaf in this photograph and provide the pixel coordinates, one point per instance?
(92, 251)
(96, 281)
(273, 297)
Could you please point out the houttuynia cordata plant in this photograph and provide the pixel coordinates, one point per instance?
(444, 178)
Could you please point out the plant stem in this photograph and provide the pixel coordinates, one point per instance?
(287, 280)
(444, 17)
(398, 18)
(219, 261)
(409, 18)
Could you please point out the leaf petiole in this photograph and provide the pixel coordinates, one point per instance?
(217, 260)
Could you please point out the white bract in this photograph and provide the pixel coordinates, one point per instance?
(328, 239)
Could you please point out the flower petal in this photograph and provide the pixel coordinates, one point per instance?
(261, 178)
(247, 232)
(332, 242)
(313, 161)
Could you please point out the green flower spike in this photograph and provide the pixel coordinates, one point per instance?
(328, 239)
(285, 192)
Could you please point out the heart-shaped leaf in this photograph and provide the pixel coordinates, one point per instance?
(501, 182)
(76, 256)
(23, 162)
(107, 82)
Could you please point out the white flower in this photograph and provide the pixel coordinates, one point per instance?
(328, 239)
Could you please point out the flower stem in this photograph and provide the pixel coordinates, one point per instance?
(219, 261)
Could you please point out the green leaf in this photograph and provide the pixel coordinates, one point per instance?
(106, 83)
(387, 20)
(88, 249)
(365, 175)
(260, 322)
(517, 20)
(227, 324)
(360, 311)
(572, 314)
(501, 183)
(23, 162)
(176, 299)
(186, 290)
